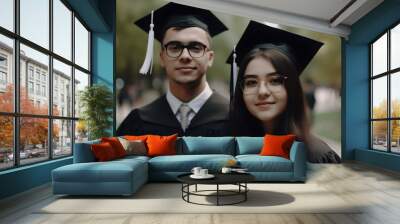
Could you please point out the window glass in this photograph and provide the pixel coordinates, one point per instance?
(33, 139)
(395, 95)
(34, 81)
(39, 62)
(81, 131)
(6, 142)
(62, 29)
(395, 47)
(34, 21)
(81, 45)
(395, 136)
(62, 138)
(379, 98)
(6, 74)
(7, 14)
(62, 91)
(379, 56)
(379, 135)
(81, 81)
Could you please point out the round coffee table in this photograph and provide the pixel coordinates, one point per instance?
(238, 179)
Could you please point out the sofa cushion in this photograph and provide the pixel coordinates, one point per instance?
(103, 151)
(111, 171)
(185, 163)
(136, 137)
(128, 159)
(257, 163)
(83, 153)
(94, 172)
(116, 145)
(206, 145)
(249, 145)
(161, 145)
(277, 145)
(133, 147)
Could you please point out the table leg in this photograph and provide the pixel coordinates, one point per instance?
(182, 189)
(245, 193)
(217, 194)
(188, 189)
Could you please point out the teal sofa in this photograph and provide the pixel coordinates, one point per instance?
(125, 176)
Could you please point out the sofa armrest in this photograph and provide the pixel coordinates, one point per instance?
(299, 159)
(83, 152)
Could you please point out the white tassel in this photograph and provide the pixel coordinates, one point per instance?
(234, 69)
(148, 61)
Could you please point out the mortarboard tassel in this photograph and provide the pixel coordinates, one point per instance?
(148, 61)
(234, 69)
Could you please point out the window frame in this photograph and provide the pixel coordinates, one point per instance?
(16, 114)
(388, 74)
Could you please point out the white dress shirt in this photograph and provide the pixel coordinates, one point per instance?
(195, 104)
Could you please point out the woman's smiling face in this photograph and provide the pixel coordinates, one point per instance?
(264, 92)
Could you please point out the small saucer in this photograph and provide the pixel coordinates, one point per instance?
(208, 176)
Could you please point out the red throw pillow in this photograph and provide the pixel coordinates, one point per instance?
(161, 145)
(277, 145)
(103, 152)
(116, 145)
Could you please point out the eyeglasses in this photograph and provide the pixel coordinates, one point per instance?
(174, 49)
(275, 83)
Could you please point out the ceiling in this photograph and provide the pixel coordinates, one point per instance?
(327, 16)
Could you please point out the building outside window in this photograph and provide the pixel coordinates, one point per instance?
(59, 128)
(43, 78)
(3, 77)
(43, 90)
(30, 87)
(384, 91)
(30, 72)
(3, 72)
(38, 89)
(3, 61)
(3, 80)
(37, 75)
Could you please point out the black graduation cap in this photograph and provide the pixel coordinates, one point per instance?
(298, 48)
(176, 15)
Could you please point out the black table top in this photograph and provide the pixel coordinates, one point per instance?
(220, 178)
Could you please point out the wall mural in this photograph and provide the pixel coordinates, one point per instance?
(287, 80)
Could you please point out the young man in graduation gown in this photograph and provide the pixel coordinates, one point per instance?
(190, 107)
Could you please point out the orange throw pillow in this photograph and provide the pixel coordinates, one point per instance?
(136, 137)
(161, 145)
(116, 145)
(103, 151)
(277, 145)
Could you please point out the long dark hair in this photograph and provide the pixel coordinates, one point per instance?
(293, 120)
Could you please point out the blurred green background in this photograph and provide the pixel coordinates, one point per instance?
(135, 90)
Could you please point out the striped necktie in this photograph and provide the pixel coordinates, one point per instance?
(184, 111)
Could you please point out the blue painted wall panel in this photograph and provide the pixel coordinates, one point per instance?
(381, 159)
(357, 99)
(24, 178)
(102, 59)
(103, 53)
(356, 85)
(89, 11)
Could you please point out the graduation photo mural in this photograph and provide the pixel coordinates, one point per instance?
(194, 72)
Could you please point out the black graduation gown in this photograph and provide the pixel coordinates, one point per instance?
(157, 118)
